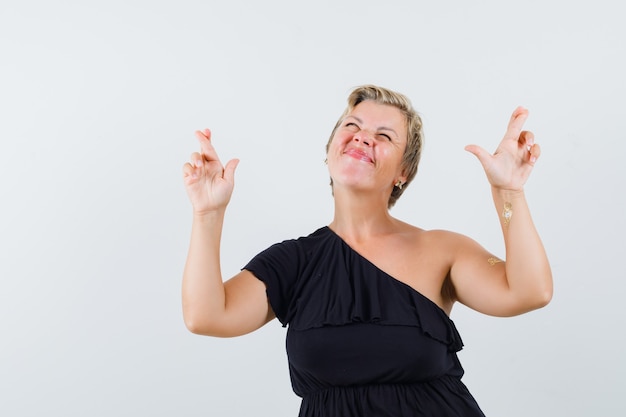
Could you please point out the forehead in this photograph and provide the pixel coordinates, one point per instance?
(380, 115)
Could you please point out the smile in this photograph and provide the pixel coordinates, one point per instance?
(358, 154)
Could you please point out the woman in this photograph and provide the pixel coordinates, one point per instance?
(367, 298)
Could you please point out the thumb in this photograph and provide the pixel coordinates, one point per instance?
(482, 155)
(229, 170)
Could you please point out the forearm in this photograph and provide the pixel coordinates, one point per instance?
(527, 268)
(203, 287)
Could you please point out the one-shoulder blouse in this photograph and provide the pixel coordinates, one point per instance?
(360, 342)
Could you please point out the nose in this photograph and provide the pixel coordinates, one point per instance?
(364, 137)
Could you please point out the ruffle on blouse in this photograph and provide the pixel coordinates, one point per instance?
(338, 286)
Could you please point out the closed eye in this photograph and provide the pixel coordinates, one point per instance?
(385, 136)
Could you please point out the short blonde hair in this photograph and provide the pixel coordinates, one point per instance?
(415, 135)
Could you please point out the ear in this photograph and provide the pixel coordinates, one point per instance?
(403, 176)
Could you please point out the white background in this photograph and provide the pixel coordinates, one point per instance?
(98, 105)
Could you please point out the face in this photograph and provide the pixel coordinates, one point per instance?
(367, 148)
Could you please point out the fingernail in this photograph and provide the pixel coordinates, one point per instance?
(533, 159)
(198, 163)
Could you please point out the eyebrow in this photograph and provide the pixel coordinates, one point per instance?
(379, 128)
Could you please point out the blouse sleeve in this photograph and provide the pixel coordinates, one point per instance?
(278, 267)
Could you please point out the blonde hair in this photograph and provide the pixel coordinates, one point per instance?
(415, 135)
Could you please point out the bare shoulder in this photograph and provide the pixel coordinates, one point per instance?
(438, 239)
(425, 260)
(450, 240)
(445, 235)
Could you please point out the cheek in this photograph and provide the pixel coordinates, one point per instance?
(335, 144)
(394, 158)
(386, 154)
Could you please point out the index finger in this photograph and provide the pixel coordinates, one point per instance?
(206, 148)
(516, 123)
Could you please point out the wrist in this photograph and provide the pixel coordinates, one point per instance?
(507, 202)
(507, 194)
(208, 216)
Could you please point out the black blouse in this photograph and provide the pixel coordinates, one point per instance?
(360, 342)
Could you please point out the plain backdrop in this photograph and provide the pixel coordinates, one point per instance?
(98, 105)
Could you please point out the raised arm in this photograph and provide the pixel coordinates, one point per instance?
(210, 306)
(524, 281)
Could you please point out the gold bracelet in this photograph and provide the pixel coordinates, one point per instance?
(507, 213)
(493, 260)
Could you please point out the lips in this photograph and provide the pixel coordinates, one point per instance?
(359, 154)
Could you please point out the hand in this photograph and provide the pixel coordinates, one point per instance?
(510, 166)
(209, 184)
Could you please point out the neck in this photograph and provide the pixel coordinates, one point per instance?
(359, 216)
